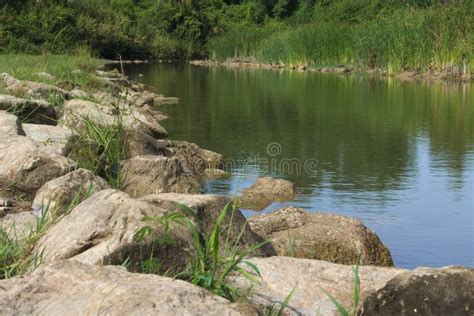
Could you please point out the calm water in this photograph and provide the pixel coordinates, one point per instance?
(399, 156)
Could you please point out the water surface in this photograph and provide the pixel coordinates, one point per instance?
(397, 155)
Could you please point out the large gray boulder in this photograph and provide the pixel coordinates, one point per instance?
(59, 194)
(106, 115)
(143, 175)
(10, 125)
(265, 191)
(26, 166)
(73, 288)
(33, 89)
(309, 279)
(102, 230)
(208, 207)
(29, 110)
(295, 232)
(53, 138)
(425, 291)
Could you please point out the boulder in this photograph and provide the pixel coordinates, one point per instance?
(29, 110)
(72, 288)
(53, 138)
(309, 279)
(61, 193)
(32, 89)
(78, 94)
(424, 291)
(7, 80)
(141, 98)
(139, 143)
(102, 230)
(193, 158)
(26, 166)
(208, 208)
(10, 125)
(265, 191)
(294, 232)
(162, 100)
(143, 175)
(18, 225)
(105, 115)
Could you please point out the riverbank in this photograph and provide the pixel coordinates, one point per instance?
(94, 161)
(452, 74)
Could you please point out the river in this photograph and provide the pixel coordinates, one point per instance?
(397, 155)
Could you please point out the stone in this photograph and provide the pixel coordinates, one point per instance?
(26, 88)
(53, 138)
(78, 94)
(19, 225)
(208, 208)
(29, 110)
(424, 291)
(59, 194)
(308, 279)
(194, 159)
(162, 100)
(141, 99)
(102, 230)
(139, 143)
(143, 175)
(10, 125)
(45, 76)
(26, 166)
(104, 115)
(7, 80)
(340, 239)
(265, 191)
(72, 288)
(213, 174)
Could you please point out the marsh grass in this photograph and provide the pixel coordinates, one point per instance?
(213, 261)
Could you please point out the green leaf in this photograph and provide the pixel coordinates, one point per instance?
(285, 303)
(186, 209)
(338, 305)
(253, 267)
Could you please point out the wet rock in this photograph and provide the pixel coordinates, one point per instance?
(53, 138)
(19, 225)
(143, 175)
(213, 173)
(340, 239)
(101, 230)
(308, 279)
(30, 110)
(266, 191)
(59, 194)
(208, 208)
(72, 288)
(142, 98)
(162, 100)
(10, 125)
(26, 166)
(424, 291)
(76, 110)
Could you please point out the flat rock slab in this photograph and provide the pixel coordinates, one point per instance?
(264, 192)
(308, 278)
(73, 288)
(10, 125)
(53, 138)
(313, 235)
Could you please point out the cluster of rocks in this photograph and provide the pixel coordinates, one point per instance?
(83, 252)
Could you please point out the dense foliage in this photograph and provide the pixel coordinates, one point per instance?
(395, 34)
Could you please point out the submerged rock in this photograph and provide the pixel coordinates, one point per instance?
(143, 175)
(72, 288)
(30, 110)
(295, 232)
(265, 191)
(26, 166)
(101, 230)
(425, 291)
(10, 125)
(59, 194)
(308, 279)
(208, 208)
(53, 138)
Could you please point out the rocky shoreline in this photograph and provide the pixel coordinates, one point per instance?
(88, 259)
(451, 73)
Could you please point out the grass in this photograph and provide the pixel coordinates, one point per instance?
(213, 262)
(437, 37)
(76, 67)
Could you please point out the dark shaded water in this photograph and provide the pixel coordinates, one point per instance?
(399, 156)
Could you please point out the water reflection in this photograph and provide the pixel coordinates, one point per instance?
(398, 155)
